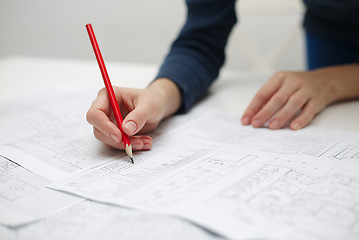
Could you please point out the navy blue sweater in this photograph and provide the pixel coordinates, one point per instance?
(198, 53)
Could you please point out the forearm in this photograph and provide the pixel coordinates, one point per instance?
(197, 54)
(343, 81)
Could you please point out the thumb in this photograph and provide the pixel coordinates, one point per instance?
(135, 120)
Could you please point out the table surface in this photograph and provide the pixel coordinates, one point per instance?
(231, 92)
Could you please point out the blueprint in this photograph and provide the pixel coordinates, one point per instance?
(24, 197)
(89, 220)
(205, 173)
(238, 181)
(54, 135)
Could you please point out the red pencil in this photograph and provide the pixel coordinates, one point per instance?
(110, 93)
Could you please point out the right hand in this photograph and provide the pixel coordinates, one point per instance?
(142, 110)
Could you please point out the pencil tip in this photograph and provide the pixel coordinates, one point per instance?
(128, 150)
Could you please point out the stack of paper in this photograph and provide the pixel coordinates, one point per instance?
(206, 168)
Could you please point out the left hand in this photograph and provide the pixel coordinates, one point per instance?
(294, 97)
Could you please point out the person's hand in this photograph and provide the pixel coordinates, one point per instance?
(142, 110)
(296, 97)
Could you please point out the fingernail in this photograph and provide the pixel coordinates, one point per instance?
(147, 146)
(245, 120)
(131, 126)
(115, 138)
(274, 124)
(257, 123)
(295, 125)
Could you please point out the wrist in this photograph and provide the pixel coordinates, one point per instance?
(342, 80)
(170, 94)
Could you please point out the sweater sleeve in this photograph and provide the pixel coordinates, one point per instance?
(198, 53)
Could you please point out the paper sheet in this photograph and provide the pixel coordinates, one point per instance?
(238, 181)
(24, 197)
(92, 221)
(7, 233)
(39, 112)
(47, 134)
(204, 166)
(41, 132)
(51, 138)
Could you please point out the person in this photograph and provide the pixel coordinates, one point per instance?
(198, 53)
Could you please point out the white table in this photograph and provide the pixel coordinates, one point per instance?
(232, 92)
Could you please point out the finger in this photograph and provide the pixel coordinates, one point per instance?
(98, 116)
(277, 101)
(101, 102)
(138, 143)
(136, 119)
(307, 114)
(262, 96)
(102, 123)
(124, 99)
(146, 142)
(294, 104)
(110, 141)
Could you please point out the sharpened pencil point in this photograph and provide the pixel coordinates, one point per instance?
(128, 150)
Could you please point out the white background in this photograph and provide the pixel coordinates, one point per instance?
(268, 36)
